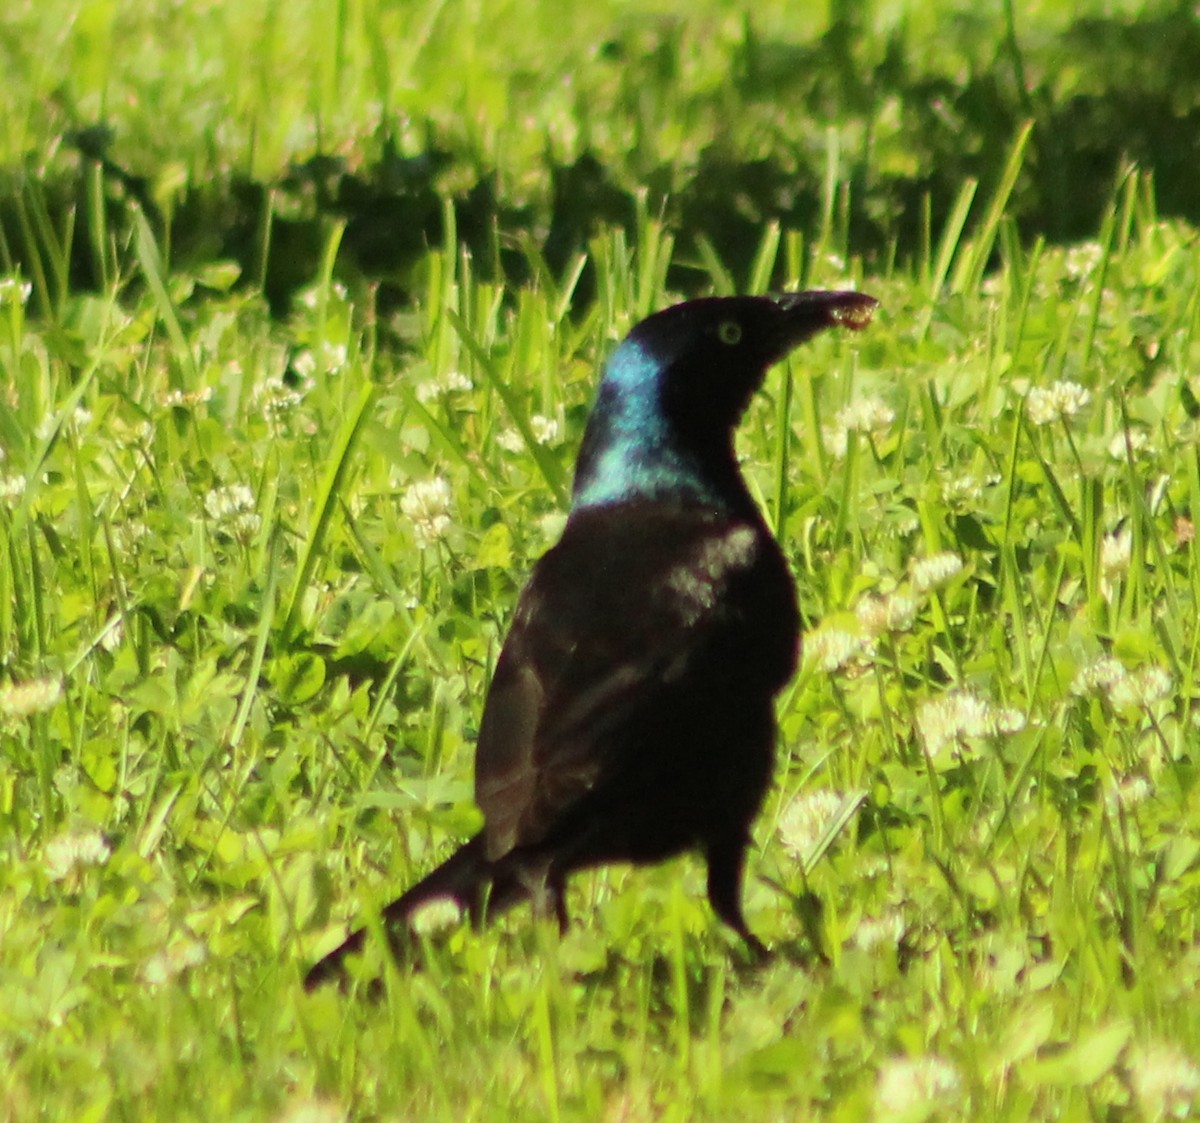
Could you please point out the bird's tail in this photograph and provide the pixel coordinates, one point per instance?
(479, 887)
(463, 878)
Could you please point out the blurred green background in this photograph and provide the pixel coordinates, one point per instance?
(234, 122)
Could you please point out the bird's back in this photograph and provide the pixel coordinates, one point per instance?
(633, 699)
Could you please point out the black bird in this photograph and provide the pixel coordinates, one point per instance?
(631, 715)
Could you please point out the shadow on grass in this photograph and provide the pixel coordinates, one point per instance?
(1108, 93)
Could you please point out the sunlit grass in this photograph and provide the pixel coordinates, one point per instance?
(262, 649)
(255, 572)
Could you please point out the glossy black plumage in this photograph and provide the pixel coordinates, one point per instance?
(631, 715)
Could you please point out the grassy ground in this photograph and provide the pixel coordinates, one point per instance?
(254, 576)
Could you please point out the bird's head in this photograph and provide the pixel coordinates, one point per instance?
(709, 356)
(676, 387)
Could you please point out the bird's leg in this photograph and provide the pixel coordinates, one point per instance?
(479, 905)
(544, 887)
(725, 861)
(558, 898)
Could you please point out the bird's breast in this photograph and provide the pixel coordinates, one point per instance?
(698, 580)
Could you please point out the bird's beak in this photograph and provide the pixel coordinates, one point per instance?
(806, 313)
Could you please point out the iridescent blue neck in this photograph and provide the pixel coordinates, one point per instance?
(631, 451)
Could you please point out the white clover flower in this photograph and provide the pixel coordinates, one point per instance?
(23, 699)
(1082, 259)
(829, 649)
(866, 415)
(172, 961)
(1116, 550)
(12, 490)
(879, 931)
(895, 612)
(510, 440)
(305, 363)
(908, 1086)
(276, 399)
(1007, 721)
(329, 358)
(311, 297)
(14, 291)
(871, 416)
(1155, 684)
(935, 570)
(1128, 792)
(187, 399)
(280, 401)
(1125, 689)
(1126, 441)
(223, 502)
(426, 504)
(992, 285)
(805, 820)
(438, 915)
(1059, 400)
(452, 382)
(1143, 688)
(80, 418)
(1165, 1080)
(946, 722)
(232, 507)
(67, 853)
(544, 429)
(961, 491)
(836, 441)
(1100, 675)
(333, 357)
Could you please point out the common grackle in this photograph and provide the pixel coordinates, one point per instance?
(631, 713)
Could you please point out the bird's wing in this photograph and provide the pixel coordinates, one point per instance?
(611, 618)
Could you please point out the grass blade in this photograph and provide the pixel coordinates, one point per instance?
(331, 489)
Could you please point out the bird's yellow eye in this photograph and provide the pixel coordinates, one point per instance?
(729, 332)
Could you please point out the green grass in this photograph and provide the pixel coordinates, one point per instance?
(239, 127)
(263, 639)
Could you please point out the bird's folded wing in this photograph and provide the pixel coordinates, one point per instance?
(595, 641)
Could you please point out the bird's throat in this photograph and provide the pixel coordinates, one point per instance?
(633, 451)
(624, 459)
